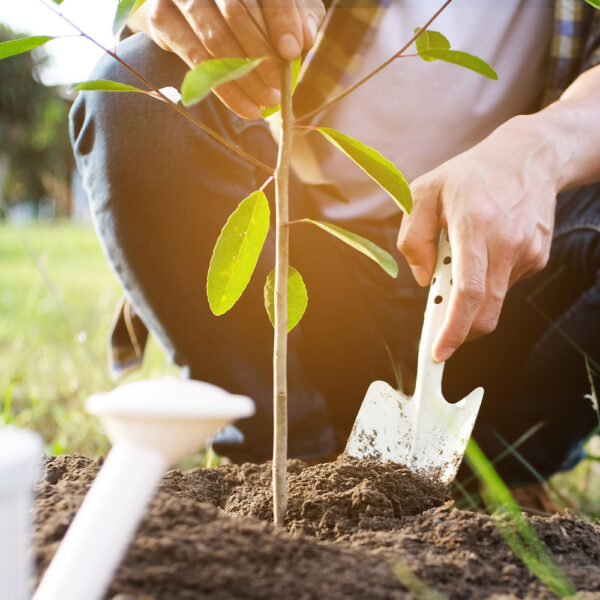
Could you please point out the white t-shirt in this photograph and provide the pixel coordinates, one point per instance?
(419, 114)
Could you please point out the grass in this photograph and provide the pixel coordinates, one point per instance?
(514, 527)
(57, 298)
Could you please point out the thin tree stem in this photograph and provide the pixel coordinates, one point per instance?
(366, 78)
(150, 86)
(281, 320)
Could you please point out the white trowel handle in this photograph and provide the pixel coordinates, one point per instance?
(429, 372)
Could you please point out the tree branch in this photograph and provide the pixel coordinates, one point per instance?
(150, 86)
(366, 78)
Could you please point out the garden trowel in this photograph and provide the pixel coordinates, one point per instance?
(423, 432)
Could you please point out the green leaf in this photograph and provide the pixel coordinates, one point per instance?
(378, 168)
(432, 45)
(267, 111)
(367, 247)
(464, 59)
(236, 252)
(297, 297)
(58, 1)
(594, 3)
(125, 8)
(431, 39)
(14, 47)
(212, 73)
(105, 85)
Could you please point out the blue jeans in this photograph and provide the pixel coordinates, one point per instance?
(160, 192)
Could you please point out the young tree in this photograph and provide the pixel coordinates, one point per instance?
(239, 245)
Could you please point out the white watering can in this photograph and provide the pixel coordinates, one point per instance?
(20, 460)
(152, 424)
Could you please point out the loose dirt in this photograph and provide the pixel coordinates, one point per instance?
(356, 529)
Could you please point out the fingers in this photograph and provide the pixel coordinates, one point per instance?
(312, 13)
(251, 33)
(217, 38)
(469, 270)
(201, 29)
(535, 255)
(284, 26)
(171, 30)
(496, 287)
(418, 233)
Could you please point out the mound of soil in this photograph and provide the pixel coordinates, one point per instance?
(327, 500)
(357, 529)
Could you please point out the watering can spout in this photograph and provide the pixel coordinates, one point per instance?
(152, 424)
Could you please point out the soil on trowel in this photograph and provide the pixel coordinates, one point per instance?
(356, 529)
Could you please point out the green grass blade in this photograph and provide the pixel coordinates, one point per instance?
(200, 80)
(594, 3)
(514, 527)
(105, 85)
(381, 170)
(236, 252)
(297, 297)
(8, 396)
(125, 8)
(519, 442)
(367, 247)
(14, 47)
(592, 396)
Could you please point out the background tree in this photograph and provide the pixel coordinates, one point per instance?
(35, 153)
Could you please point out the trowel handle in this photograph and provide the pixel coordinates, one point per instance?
(429, 372)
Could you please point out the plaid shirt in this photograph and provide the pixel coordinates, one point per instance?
(338, 51)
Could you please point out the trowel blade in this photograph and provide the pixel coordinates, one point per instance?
(430, 442)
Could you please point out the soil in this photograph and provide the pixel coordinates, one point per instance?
(356, 529)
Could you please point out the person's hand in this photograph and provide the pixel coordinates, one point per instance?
(497, 203)
(197, 30)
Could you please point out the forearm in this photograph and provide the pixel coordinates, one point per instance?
(571, 128)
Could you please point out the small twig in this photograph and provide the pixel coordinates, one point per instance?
(150, 86)
(366, 78)
(264, 186)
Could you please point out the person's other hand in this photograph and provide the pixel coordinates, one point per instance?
(198, 30)
(497, 203)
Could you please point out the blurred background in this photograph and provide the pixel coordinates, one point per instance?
(57, 294)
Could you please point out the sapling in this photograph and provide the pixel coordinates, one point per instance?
(238, 247)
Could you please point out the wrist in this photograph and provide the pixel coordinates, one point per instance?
(535, 143)
(570, 130)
